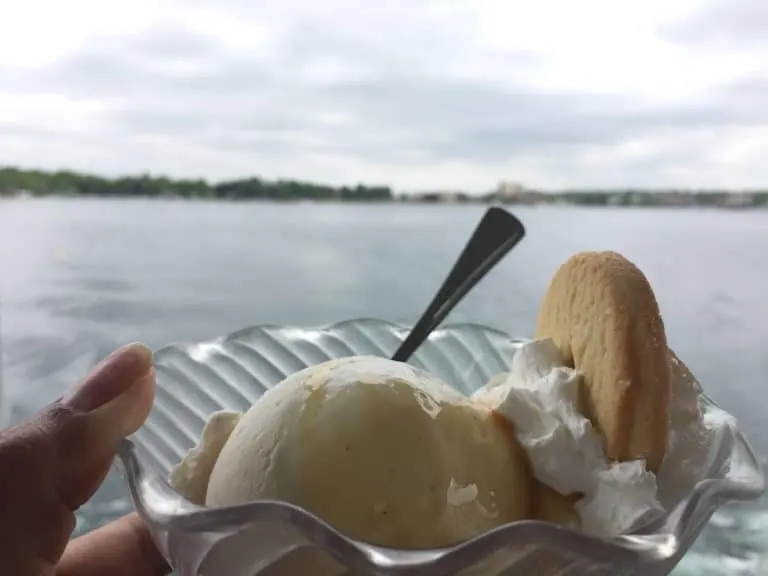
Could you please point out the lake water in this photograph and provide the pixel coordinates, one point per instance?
(80, 277)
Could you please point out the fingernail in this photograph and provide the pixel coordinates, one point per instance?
(117, 373)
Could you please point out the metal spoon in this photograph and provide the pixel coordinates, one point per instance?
(498, 232)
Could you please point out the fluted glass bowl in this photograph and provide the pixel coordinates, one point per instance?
(195, 380)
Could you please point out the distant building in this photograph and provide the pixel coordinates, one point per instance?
(509, 190)
(515, 193)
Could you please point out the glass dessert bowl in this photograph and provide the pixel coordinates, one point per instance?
(270, 537)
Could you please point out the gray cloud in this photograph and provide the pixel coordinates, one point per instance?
(377, 97)
(725, 23)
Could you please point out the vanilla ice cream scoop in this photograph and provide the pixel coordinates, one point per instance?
(380, 450)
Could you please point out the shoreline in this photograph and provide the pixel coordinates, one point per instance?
(26, 183)
(414, 202)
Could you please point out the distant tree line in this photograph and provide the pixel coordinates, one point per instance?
(708, 198)
(65, 182)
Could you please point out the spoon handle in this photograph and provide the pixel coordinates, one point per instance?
(497, 234)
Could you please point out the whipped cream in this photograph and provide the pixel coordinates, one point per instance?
(700, 441)
(540, 396)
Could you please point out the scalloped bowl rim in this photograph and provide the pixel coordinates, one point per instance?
(332, 326)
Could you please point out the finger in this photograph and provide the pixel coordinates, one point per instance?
(88, 424)
(122, 548)
(110, 378)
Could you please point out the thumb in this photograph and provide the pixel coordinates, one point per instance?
(110, 404)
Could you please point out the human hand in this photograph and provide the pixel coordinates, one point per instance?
(52, 464)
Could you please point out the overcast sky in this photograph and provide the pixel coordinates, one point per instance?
(412, 93)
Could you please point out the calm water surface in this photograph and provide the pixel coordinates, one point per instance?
(80, 277)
